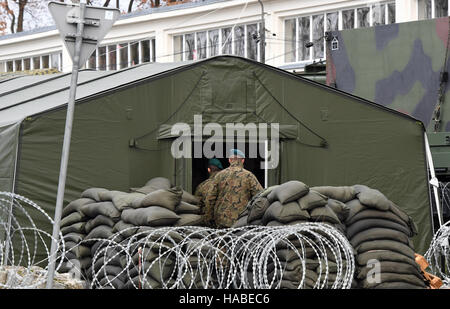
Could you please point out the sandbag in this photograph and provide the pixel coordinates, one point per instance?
(189, 198)
(186, 208)
(75, 206)
(258, 207)
(362, 225)
(291, 285)
(74, 228)
(143, 282)
(92, 193)
(342, 194)
(256, 222)
(107, 196)
(391, 267)
(372, 197)
(383, 255)
(125, 229)
(164, 198)
(378, 234)
(242, 221)
(324, 214)
(74, 217)
(159, 183)
(392, 277)
(98, 220)
(189, 220)
(288, 192)
(375, 214)
(355, 207)
(151, 216)
(404, 217)
(284, 213)
(103, 208)
(391, 245)
(74, 237)
(266, 192)
(159, 270)
(312, 200)
(339, 208)
(122, 201)
(109, 280)
(274, 223)
(101, 231)
(398, 285)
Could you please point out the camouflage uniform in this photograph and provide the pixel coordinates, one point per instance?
(232, 189)
(203, 189)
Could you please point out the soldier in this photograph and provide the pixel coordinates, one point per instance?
(214, 166)
(232, 189)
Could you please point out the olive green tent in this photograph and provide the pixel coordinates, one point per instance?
(120, 137)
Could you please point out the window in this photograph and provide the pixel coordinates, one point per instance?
(432, 8)
(333, 21)
(102, 58)
(289, 40)
(201, 45)
(317, 36)
(145, 51)
(2, 67)
(54, 61)
(112, 57)
(9, 66)
(92, 61)
(252, 45)
(134, 53)
(227, 39)
(36, 63)
(304, 33)
(241, 40)
(348, 19)
(123, 55)
(363, 17)
(46, 62)
(18, 64)
(178, 48)
(189, 46)
(379, 14)
(441, 8)
(312, 28)
(213, 41)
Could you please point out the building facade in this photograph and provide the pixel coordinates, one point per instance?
(294, 32)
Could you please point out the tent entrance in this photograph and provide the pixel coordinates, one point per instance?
(254, 165)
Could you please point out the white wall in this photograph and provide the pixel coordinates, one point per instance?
(164, 25)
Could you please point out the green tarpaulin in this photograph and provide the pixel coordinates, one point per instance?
(120, 137)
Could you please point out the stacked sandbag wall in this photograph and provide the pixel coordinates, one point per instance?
(291, 203)
(377, 229)
(101, 217)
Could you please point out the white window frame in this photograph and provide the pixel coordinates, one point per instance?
(340, 26)
(220, 42)
(433, 8)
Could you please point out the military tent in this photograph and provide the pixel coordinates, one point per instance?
(121, 139)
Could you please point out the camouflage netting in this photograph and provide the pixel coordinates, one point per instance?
(152, 238)
(376, 228)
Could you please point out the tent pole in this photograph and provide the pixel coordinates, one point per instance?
(66, 147)
(266, 163)
(433, 181)
(8, 240)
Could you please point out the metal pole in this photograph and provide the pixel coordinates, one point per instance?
(266, 164)
(434, 182)
(66, 147)
(262, 33)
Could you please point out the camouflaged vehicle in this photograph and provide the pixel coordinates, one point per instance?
(401, 66)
